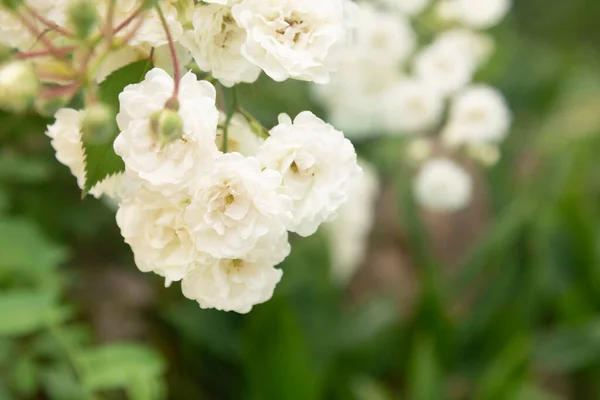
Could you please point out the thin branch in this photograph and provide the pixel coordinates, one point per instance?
(128, 20)
(49, 24)
(57, 52)
(29, 25)
(108, 24)
(174, 58)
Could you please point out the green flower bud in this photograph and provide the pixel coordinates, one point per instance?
(98, 125)
(166, 126)
(82, 17)
(12, 4)
(19, 86)
(47, 107)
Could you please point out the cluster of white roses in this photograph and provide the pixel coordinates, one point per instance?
(207, 197)
(388, 85)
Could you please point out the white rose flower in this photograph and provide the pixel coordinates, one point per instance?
(153, 226)
(482, 14)
(66, 141)
(443, 186)
(349, 232)
(410, 106)
(443, 68)
(476, 46)
(240, 137)
(235, 203)
(176, 163)
(478, 115)
(237, 284)
(356, 93)
(408, 7)
(216, 45)
(317, 164)
(292, 38)
(382, 37)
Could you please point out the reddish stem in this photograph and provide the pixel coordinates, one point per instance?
(174, 58)
(128, 20)
(57, 52)
(35, 32)
(51, 25)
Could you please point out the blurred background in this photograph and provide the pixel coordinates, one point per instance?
(498, 301)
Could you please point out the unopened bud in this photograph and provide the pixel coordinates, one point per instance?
(98, 124)
(166, 126)
(12, 4)
(83, 18)
(19, 86)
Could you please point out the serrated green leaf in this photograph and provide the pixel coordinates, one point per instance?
(120, 365)
(101, 159)
(23, 312)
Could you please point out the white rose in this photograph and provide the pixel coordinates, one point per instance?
(382, 37)
(65, 135)
(408, 7)
(443, 186)
(235, 203)
(237, 284)
(317, 164)
(292, 38)
(482, 14)
(443, 68)
(410, 106)
(153, 226)
(478, 115)
(478, 47)
(216, 45)
(349, 232)
(175, 164)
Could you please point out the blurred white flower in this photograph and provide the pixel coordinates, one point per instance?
(153, 226)
(216, 45)
(482, 14)
(292, 38)
(478, 47)
(237, 284)
(317, 164)
(408, 7)
(410, 106)
(12, 32)
(442, 67)
(65, 135)
(479, 114)
(240, 137)
(235, 204)
(349, 232)
(443, 186)
(176, 163)
(381, 37)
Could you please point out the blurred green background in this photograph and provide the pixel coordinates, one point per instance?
(501, 301)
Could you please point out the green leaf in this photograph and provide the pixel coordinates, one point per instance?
(17, 239)
(101, 159)
(60, 383)
(569, 349)
(23, 312)
(121, 365)
(23, 376)
(425, 374)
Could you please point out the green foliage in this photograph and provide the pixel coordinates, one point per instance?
(100, 157)
(517, 319)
